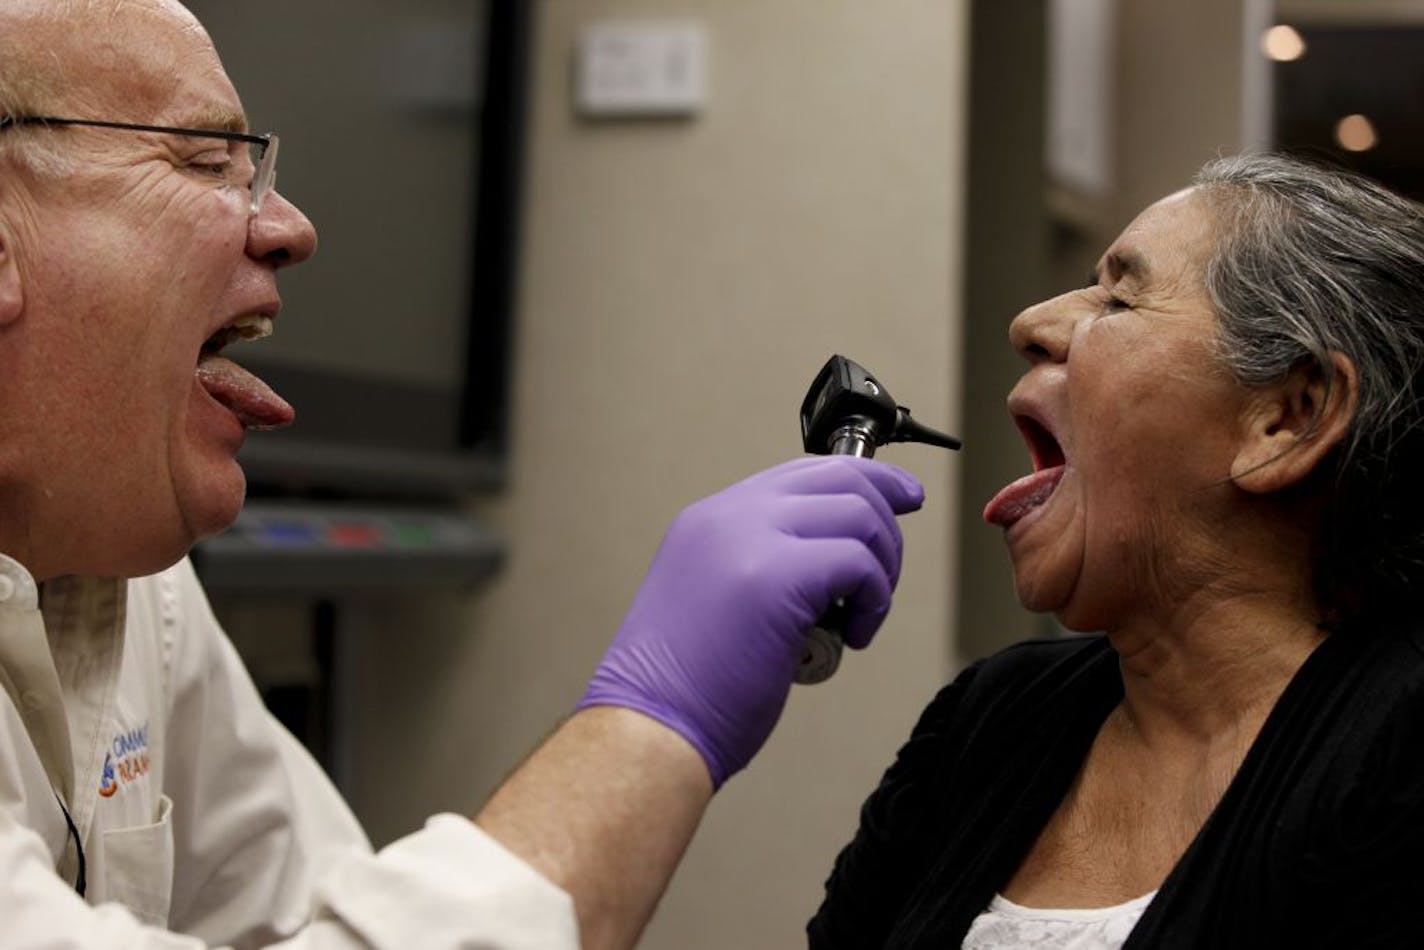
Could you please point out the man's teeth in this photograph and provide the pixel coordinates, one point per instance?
(252, 326)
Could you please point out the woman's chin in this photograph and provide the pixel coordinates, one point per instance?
(1046, 574)
(1040, 596)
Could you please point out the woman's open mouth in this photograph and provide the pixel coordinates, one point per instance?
(1020, 498)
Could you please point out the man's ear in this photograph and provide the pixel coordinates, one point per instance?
(1295, 424)
(12, 294)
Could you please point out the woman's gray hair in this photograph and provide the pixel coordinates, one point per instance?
(1313, 261)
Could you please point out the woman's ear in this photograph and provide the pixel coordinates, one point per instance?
(1294, 424)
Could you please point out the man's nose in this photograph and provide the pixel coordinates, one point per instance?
(1043, 332)
(280, 234)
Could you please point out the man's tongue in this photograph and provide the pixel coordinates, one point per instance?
(245, 396)
(1019, 498)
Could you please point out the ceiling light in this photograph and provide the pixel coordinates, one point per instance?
(1282, 43)
(1356, 133)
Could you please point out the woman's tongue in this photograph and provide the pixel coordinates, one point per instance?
(243, 394)
(1019, 498)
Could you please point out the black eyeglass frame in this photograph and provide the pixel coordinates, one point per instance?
(264, 174)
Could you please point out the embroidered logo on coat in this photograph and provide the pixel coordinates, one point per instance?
(108, 783)
(126, 760)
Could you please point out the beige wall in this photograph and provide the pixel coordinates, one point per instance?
(682, 283)
(1179, 96)
(1177, 102)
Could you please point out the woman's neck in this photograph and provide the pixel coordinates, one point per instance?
(1214, 666)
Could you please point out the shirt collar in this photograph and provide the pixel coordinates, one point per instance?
(17, 588)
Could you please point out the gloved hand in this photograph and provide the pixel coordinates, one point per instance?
(713, 637)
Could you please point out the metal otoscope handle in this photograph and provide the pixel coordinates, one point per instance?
(848, 412)
(821, 650)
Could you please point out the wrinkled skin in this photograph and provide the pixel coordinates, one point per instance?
(1123, 373)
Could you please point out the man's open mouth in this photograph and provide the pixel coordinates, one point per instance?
(252, 401)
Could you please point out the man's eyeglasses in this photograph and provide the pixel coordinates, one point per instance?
(263, 147)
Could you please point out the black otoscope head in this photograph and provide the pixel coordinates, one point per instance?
(848, 412)
(845, 395)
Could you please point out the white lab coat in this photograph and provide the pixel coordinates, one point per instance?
(203, 821)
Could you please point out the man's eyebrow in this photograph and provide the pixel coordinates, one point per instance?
(218, 119)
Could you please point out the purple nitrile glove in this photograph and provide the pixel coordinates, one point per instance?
(712, 640)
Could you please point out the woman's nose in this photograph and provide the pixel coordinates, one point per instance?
(1043, 332)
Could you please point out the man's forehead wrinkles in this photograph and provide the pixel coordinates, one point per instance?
(142, 61)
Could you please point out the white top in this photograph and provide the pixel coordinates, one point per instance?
(1006, 925)
(203, 821)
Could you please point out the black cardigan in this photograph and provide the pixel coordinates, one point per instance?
(1318, 841)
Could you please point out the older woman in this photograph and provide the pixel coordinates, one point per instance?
(1227, 438)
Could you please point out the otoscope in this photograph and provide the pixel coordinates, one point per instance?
(848, 412)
